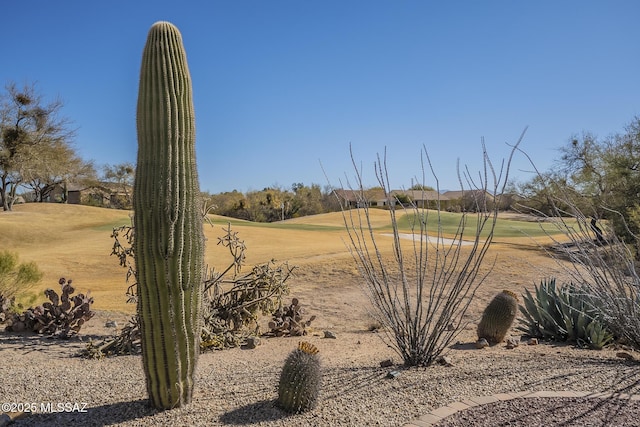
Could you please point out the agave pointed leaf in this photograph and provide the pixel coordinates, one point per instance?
(531, 314)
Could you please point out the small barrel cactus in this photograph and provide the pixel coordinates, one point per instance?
(300, 380)
(498, 317)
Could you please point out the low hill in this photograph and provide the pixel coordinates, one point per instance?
(74, 241)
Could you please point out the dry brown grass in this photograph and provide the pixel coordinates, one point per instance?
(74, 242)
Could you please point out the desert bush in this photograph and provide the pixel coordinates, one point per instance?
(608, 276)
(126, 342)
(565, 313)
(123, 249)
(232, 299)
(421, 294)
(16, 277)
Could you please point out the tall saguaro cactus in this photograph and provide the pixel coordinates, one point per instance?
(169, 239)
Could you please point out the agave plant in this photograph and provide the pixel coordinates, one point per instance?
(565, 313)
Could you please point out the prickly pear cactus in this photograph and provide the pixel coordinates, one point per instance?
(62, 316)
(169, 241)
(288, 321)
(300, 380)
(498, 317)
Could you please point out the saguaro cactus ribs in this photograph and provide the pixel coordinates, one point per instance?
(169, 240)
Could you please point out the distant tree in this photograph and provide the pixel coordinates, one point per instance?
(421, 187)
(122, 176)
(229, 203)
(268, 205)
(56, 165)
(307, 200)
(403, 199)
(274, 203)
(296, 186)
(28, 128)
(584, 162)
(543, 195)
(607, 173)
(330, 203)
(598, 176)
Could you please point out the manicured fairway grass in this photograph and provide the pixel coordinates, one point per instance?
(75, 242)
(505, 227)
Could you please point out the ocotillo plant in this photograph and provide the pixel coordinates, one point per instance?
(169, 239)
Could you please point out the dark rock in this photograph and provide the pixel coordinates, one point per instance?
(444, 361)
(386, 363)
(252, 342)
(393, 375)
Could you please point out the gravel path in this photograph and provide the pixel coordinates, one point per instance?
(547, 411)
(238, 387)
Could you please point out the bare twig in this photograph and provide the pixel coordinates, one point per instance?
(422, 294)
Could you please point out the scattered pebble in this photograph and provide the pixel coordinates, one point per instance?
(237, 387)
(393, 375)
(482, 343)
(444, 361)
(252, 342)
(512, 342)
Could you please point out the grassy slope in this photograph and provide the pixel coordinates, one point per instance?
(74, 242)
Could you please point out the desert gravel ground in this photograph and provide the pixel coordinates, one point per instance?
(238, 386)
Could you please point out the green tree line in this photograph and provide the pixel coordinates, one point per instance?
(273, 204)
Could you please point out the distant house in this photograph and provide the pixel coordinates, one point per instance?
(376, 197)
(360, 199)
(467, 200)
(104, 194)
(454, 201)
(429, 199)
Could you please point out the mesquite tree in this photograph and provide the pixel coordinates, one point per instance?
(169, 239)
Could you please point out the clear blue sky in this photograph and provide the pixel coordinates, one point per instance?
(283, 86)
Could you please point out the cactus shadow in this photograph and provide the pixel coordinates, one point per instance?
(97, 416)
(28, 342)
(255, 413)
(463, 346)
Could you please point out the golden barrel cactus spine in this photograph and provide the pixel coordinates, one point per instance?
(300, 380)
(498, 317)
